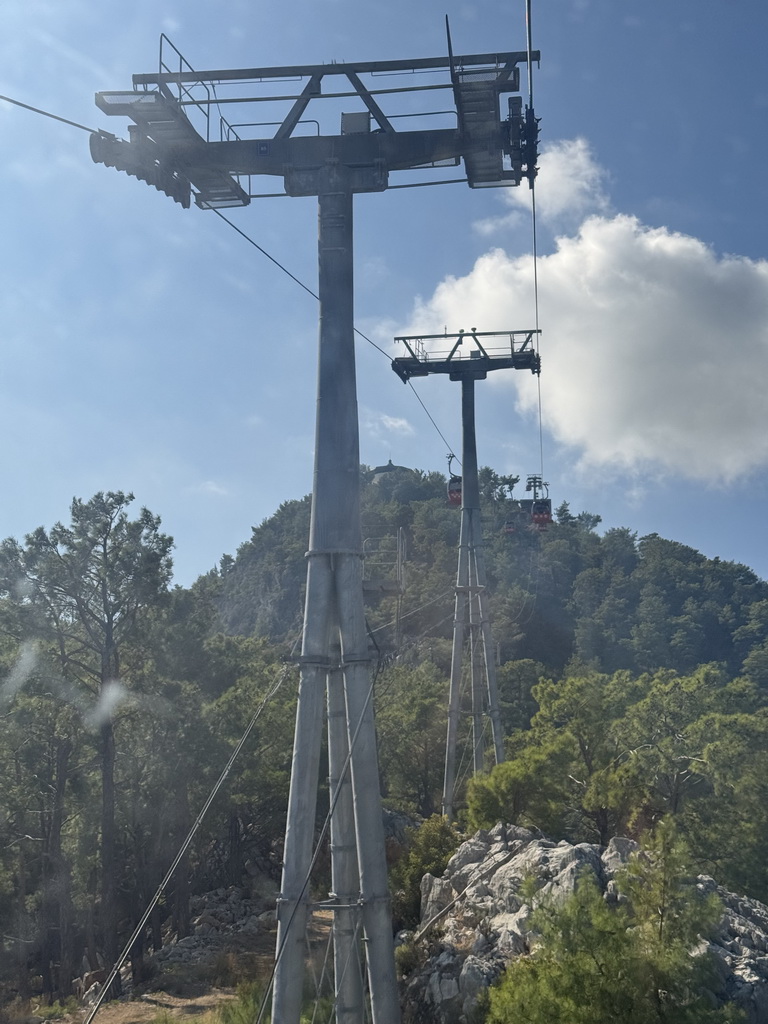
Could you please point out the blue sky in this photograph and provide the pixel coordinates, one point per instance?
(151, 349)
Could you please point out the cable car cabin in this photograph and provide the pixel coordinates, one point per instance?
(541, 512)
(454, 492)
(518, 518)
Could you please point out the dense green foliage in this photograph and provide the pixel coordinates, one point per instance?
(633, 681)
(430, 847)
(599, 961)
(120, 704)
(561, 598)
(614, 755)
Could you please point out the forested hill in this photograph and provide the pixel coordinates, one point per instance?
(566, 596)
(633, 686)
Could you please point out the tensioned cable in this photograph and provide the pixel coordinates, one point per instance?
(247, 238)
(317, 297)
(414, 611)
(45, 113)
(185, 845)
(426, 410)
(272, 258)
(293, 277)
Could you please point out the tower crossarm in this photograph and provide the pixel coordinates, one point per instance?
(163, 133)
(464, 355)
(488, 139)
(498, 62)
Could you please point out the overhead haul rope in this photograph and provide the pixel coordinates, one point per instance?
(263, 251)
(185, 845)
(414, 611)
(198, 821)
(314, 295)
(46, 113)
(426, 410)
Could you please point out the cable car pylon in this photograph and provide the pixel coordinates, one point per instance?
(172, 147)
(468, 360)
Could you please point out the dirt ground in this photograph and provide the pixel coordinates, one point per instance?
(254, 959)
(143, 1009)
(254, 962)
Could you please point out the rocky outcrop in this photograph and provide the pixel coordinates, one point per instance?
(475, 921)
(219, 919)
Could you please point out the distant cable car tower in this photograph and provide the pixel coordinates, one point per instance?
(215, 166)
(469, 359)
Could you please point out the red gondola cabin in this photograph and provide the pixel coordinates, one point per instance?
(454, 492)
(541, 512)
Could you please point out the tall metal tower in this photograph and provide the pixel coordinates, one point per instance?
(214, 163)
(469, 359)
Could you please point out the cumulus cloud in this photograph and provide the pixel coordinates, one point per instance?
(570, 186)
(570, 182)
(654, 351)
(380, 426)
(396, 425)
(211, 487)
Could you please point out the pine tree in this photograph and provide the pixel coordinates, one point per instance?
(632, 958)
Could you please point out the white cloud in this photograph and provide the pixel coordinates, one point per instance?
(380, 426)
(570, 182)
(655, 349)
(570, 185)
(396, 425)
(211, 487)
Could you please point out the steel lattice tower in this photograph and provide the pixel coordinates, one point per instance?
(469, 359)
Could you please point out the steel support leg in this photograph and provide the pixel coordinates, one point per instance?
(293, 902)
(334, 618)
(369, 823)
(345, 874)
(476, 675)
(489, 652)
(471, 615)
(454, 694)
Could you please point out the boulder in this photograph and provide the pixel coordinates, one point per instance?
(488, 925)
